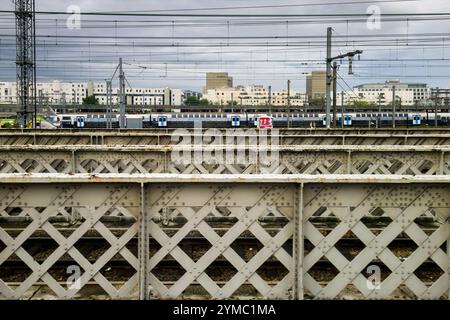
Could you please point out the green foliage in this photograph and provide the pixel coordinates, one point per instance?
(194, 101)
(318, 102)
(9, 123)
(362, 103)
(90, 100)
(204, 102)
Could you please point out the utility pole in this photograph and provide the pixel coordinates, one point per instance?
(289, 102)
(393, 106)
(73, 101)
(109, 104)
(143, 100)
(379, 111)
(121, 95)
(342, 109)
(41, 98)
(25, 61)
(270, 99)
(436, 97)
(334, 94)
(232, 102)
(328, 75)
(63, 100)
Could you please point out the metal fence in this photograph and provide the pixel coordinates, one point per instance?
(366, 160)
(288, 137)
(224, 236)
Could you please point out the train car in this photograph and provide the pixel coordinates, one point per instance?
(246, 120)
(346, 118)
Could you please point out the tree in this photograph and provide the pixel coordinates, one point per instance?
(90, 100)
(317, 102)
(362, 104)
(203, 102)
(398, 103)
(191, 101)
(194, 101)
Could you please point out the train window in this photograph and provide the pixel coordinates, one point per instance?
(316, 115)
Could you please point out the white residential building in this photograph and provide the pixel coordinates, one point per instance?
(54, 91)
(57, 92)
(408, 93)
(253, 95)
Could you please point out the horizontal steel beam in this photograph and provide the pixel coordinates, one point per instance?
(212, 147)
(227, 159)
(218, 178)
(171, 137)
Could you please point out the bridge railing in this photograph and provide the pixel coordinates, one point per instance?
(224, 236)
(163, 137)
(224, 159)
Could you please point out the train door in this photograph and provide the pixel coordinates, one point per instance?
(416, 120)
(80, 122)
(235, 121)
(347, 120)
(162, 121)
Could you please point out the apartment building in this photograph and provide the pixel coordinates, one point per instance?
(254, 95)
(409, 93)
(57, 92)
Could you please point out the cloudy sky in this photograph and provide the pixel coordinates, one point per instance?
(174, 42)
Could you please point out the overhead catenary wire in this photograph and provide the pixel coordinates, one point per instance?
(162, 45)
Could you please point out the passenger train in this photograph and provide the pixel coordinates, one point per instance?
(246, 120)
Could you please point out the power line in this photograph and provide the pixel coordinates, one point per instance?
(244, 15)
(272, 6)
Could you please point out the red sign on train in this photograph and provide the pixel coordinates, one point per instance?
(265, 122)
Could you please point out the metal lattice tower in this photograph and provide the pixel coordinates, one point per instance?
(25, 61)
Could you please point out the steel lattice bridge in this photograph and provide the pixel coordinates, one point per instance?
(310, 214)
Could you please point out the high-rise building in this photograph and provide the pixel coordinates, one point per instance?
(218, 80)
(316, 85)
